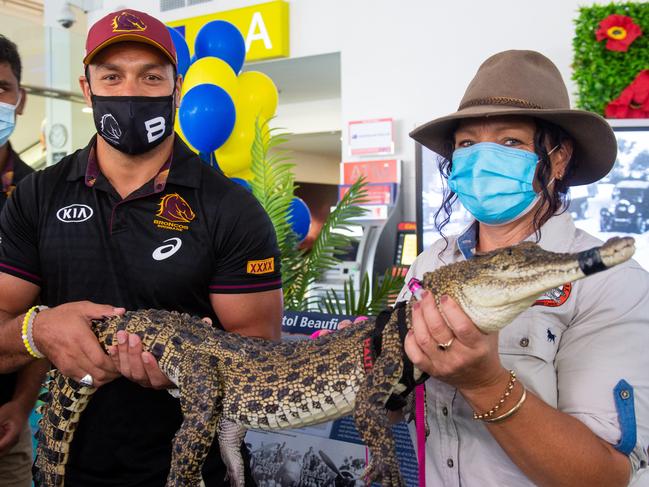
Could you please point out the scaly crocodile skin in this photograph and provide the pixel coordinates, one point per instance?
(229, 383)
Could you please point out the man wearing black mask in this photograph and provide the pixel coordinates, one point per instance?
(135, 220)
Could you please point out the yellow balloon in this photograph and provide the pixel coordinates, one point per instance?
(257, 95)
(214, 71)
(245, 174)
(233, 162)
(179, 132)
(243, 133)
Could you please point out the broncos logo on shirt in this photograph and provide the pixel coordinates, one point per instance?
(127, 22)
(175, 209)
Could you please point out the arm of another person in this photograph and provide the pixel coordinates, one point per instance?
(15, 413)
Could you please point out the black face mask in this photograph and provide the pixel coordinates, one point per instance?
(133, 124)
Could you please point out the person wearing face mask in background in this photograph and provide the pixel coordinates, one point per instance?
(18, 390)
(134, 220)
(560, 397)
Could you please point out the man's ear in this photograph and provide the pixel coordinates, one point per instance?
(23, 99)
(179, 86)
(84, 84)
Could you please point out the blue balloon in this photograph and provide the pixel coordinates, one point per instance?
(193, 60)
(242, 182)
(207, 117)
(299, 217)
(182, 51)
(223, 40)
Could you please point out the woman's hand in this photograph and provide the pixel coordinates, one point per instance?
(470, 359)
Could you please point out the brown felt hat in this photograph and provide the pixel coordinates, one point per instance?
(526, 83)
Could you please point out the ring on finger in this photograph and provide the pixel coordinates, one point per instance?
(87, 381)
(445, 346)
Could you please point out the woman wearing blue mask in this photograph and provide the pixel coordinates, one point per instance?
(561, 395)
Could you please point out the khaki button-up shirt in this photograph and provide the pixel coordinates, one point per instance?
(572, 349)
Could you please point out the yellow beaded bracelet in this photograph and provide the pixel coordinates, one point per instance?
(26, 332)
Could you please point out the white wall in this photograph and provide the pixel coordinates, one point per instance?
(411, 59)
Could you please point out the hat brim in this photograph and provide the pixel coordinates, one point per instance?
(595, 148)
(125, 38)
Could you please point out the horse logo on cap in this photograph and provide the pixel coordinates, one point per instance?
(128, 22)
(175, 209)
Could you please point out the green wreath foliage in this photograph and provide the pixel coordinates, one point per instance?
(600, 74)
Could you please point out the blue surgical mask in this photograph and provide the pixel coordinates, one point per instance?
(7, 121)
(494, 182)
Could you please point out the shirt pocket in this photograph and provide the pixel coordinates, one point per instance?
(529, 346)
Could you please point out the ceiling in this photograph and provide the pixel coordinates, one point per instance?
(303, 79)
(326, 144)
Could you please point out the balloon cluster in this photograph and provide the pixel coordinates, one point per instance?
(219, 104)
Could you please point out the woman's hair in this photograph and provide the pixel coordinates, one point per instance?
(553, 201)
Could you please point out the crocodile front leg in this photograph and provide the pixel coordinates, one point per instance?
(370, 415)
(201, 404)
(230, 437)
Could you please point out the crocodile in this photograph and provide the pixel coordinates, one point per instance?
(229, 383)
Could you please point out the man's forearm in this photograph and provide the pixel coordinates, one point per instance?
(13, 355)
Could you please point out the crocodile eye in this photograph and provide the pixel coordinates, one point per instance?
(509, 252)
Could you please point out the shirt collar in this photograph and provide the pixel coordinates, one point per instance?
(556, 235)
(184, 171)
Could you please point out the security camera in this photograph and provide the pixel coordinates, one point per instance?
(66, 17)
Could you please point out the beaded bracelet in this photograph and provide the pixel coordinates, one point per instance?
(506, 415)
(508, 391)
(27, 331)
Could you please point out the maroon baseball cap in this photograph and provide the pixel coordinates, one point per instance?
(129, 25)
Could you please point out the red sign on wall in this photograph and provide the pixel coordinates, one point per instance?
(385, 171)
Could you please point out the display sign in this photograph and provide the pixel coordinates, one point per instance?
(327, 454)
(371, 137)
(265, 28)
(383, 171)
(377, 193)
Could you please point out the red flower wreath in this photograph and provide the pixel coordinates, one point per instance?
(620, 31)
(633, 102)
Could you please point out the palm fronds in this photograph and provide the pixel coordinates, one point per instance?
(367, 303)
(274, 185)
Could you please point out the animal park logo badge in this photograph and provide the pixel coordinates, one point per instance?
(265, 266)
(173, 211)
(127, 22)
(555, 297)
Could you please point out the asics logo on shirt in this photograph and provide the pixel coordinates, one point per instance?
(76, 213)
(165, 251)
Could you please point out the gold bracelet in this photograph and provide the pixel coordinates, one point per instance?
(506, 415)
(508, 391)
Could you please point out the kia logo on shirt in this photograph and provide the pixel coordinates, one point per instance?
(76, 213)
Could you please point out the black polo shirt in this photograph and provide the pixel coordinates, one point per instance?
(13, 171)
(187, 233)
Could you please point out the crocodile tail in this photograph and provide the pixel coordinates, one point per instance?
(66, 400)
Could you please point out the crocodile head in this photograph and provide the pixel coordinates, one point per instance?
(495, 287)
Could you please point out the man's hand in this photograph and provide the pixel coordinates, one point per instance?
(63, 334)
(135, 364)
(12, 422)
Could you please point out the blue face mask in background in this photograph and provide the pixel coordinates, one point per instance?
(7, 121)
(494, 182)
